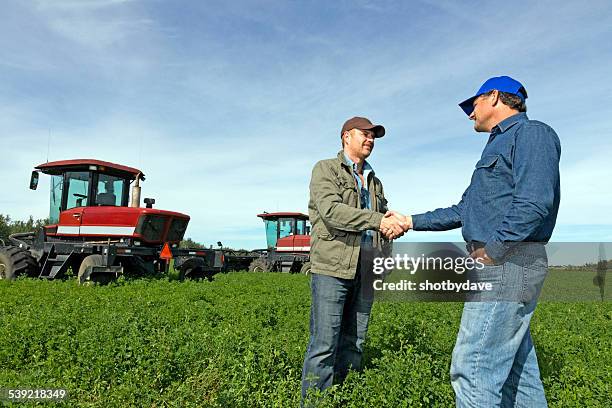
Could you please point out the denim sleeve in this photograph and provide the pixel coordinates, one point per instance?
(536, 174)
(441, 219)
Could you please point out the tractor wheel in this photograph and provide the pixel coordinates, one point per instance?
(86, 277)
(195, 273)
(15, 262)
(136, 266)
(184, 273)
(260, 265)
(305, 268)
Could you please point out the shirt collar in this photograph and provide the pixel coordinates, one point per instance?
(507, 123)
(366, 166)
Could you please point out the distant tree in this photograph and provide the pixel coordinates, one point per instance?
(8, 226)
(5, 227)
(189, 243)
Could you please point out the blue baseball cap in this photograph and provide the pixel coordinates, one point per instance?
(502, 84)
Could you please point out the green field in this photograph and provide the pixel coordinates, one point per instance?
(561, 284)
(239, 341)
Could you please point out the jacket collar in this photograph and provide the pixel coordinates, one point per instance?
(343, 158)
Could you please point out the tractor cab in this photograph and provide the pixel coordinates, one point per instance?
(288, 239)
(286, 229)
(86, 183)
(90, 199)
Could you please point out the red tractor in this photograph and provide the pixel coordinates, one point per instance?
(98, 231)
(288, 239)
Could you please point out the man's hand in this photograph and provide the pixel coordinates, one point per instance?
(481, 254)
(394, 224)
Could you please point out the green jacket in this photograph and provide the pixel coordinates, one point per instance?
(337, 219)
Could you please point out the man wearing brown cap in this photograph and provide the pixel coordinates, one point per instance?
(346, 208)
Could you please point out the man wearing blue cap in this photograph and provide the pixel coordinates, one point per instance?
(506, 214)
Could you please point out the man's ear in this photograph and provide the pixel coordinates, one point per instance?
(494, 97)
(345, 136)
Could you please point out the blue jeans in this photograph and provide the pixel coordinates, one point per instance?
(339, 315)
(494, 363)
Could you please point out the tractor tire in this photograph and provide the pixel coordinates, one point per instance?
(136, 266)
(260, 265)
(85, 276)
(15, 262)
(195, 274)
(305, 270)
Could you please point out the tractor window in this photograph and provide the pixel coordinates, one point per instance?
(109, 190)
(286, 227)
(271, 233)
(57, 184)
(301, 227)
(78, 188)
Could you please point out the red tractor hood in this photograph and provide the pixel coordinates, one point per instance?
(148, 224)
(294, 243)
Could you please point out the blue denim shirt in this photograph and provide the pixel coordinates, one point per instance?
(364, 195)
(514, 192)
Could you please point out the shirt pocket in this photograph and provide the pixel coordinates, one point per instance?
(487, 162)
(487, 175)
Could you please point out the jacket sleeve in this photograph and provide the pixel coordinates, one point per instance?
(327, 198)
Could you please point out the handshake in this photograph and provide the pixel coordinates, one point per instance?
(394, 225)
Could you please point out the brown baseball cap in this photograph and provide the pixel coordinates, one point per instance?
(362, 124)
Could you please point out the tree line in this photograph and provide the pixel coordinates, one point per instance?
(9, 226)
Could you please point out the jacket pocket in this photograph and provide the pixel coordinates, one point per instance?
(344, 183)
(329, 236)
(330, 249)
(348, 191)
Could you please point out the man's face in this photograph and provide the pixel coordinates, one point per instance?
(483, 112)
(359, 143)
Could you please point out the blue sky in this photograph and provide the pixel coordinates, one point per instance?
(226, 106)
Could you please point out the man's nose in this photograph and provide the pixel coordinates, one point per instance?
(472, 116)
